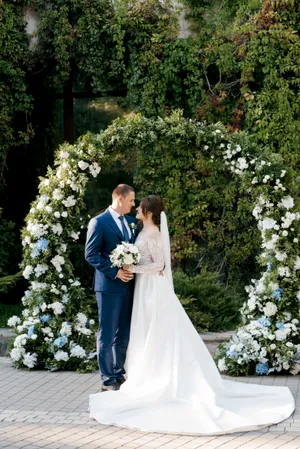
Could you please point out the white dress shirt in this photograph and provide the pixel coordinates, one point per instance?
(116, 216)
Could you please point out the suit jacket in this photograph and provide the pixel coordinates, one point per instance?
(102, 238)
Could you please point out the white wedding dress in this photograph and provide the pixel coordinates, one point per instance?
(173, 384)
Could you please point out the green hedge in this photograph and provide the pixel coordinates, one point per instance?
(210, 305)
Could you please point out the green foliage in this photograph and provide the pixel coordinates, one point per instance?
(15, 102)
(271, 77)
(6, 311)
(210, 210)
(7, 283)
(8, 246)
(210, 305)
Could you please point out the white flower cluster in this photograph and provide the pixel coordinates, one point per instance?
(125, 254)
(66, 329)
(57, 307)
(61, 356)
(266, 320)
(237, 165)
(93, 168)
(36, 229)
(80, 326)
(78, 351)
(58, 261)
(51, 221)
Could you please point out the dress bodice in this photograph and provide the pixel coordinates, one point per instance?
(149, 244)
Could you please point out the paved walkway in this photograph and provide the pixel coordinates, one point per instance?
(44, 409)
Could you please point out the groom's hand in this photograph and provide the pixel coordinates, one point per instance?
(124, 275)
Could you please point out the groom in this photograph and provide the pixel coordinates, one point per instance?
(113, 286)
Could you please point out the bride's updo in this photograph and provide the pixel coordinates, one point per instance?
(154, 204)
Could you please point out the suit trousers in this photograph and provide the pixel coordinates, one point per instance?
(114, 313)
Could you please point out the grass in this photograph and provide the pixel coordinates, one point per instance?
(8, 310)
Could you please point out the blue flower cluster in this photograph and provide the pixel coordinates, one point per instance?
(269, 266)
(30, 331)
(264, 321)
(27, 293)
(45, 318)
(232, 354)
(43, 199)
(279, 325)
(277, 294)
(60, 342)
(262, 368)
(41, 245)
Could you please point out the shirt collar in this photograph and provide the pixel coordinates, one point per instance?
(113, 213)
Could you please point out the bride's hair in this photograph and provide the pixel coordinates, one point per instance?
(154, 204)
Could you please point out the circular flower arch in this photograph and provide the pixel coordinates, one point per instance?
(54, 332)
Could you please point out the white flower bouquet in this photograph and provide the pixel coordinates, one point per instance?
(125, 254)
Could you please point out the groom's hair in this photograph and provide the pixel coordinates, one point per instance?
(123, 190)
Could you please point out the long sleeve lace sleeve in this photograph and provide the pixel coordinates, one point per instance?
(152, 259)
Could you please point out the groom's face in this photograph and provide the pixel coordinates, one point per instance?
(127, 202)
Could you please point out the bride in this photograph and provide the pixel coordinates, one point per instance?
(173, 384)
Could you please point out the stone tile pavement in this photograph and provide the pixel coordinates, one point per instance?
(41, 409)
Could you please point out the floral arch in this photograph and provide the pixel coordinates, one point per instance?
(55, 333)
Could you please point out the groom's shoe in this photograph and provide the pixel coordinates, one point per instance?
(113, 387)
(120, 381)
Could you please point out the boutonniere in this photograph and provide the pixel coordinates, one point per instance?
(133, 227)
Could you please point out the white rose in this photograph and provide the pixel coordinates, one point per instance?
(297, 263)
(78, 351)
(13, 321)
(270, 309)
(57, 228)
(222, 364)
(287, 202)
(28, 271)
(94, 169)
(70, 201)
(64, 154)
(61, 356)
(280, 335)
(83, 165)
(280, 256)
(29, 360)
(57, 194)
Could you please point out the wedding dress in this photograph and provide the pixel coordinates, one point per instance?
(173, 384)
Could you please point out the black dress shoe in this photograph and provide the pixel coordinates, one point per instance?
(120, 381)
(113, 387)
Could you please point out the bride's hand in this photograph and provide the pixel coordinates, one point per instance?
(127, 268)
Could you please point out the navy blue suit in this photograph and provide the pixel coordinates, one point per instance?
(114, 297)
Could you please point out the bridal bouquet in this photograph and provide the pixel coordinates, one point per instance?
(125, 254)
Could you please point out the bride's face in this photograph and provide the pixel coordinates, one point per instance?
(139, 214)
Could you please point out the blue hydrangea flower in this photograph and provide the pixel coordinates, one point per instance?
(45, 318)
(43, 199)
(277, 294)
(279, 325)
(269, 266)
(232, 354)
(41, 245)
(264, 321)
(262, 368)
(27, 293)
(30, 331)
(60, 342)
